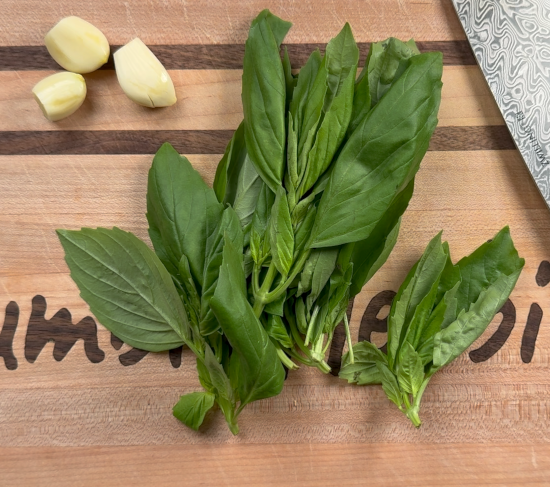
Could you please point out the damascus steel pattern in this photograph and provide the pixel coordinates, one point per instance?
(511, 42)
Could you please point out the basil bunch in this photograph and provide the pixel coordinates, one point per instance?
(306, 206)
(319, 174)
(438, 312)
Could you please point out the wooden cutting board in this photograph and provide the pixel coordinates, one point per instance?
(77, 407)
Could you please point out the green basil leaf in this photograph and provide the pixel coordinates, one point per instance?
(261, 374)
(370, 254)
(304, 86)
(281, 233)
(389, 383)
(317, 270)
(361, 99)
(303, 233)
(229, 228)
(192, 408)
(264, 98)
(410, 373)
(342, 56)
(381, 156)
(450, 342)
(188, 284)
(229, 166)
(494, 268)
(181, 209)
(422, 280)
(301, 319)
(276, 329)
(276, 307)
(127, 288)
(364, 369)
(493, 259)
(290, 80)
(386, 62)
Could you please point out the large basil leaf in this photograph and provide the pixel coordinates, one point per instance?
(182, 210)
(489, 275)
(192, 408)
(229, 228)
(493, 259)
(381, 156)
(264, 97)
(127, 288)
(260, 373)
(370, 254)
(229, 167)
(281, 233)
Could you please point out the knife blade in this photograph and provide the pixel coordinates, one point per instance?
(511, 42)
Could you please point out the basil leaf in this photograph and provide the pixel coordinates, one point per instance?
(261, 374)
(370, 254)
(276, 307)
(381, 156)
(264, 97)
(418, 286)
(317, 270)
(386, 63)
(303, 232)
(364, 369)
(276, 329)
(410, 373)
(181, 209)
(229, 228)
(290, 80)
(495, 258)
(342, 56)
(229, 166)
(192, 408)
(389, 384)
(494, 268)
(304, 86)
(127, 288)
(281, 233)
(361, 98)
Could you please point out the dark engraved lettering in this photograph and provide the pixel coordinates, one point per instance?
(337, 346)
(530, 333)
(132, 357)
(370, 322)
(60, 330)
(175, 357)
(543, 273)
(6, 336)
(116, 342)
(499, 337)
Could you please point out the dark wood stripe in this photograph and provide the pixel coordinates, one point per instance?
(207, 141)
(216, 56)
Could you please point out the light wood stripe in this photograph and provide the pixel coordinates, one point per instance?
(207, 100)
(372, 464)
(22, 23)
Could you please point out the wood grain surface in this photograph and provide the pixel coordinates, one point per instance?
(77, 407)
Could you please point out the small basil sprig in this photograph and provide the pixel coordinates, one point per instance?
(438, 312)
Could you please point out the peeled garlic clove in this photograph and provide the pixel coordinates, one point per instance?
(60, 95)
(142, 76)
(77, 45)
